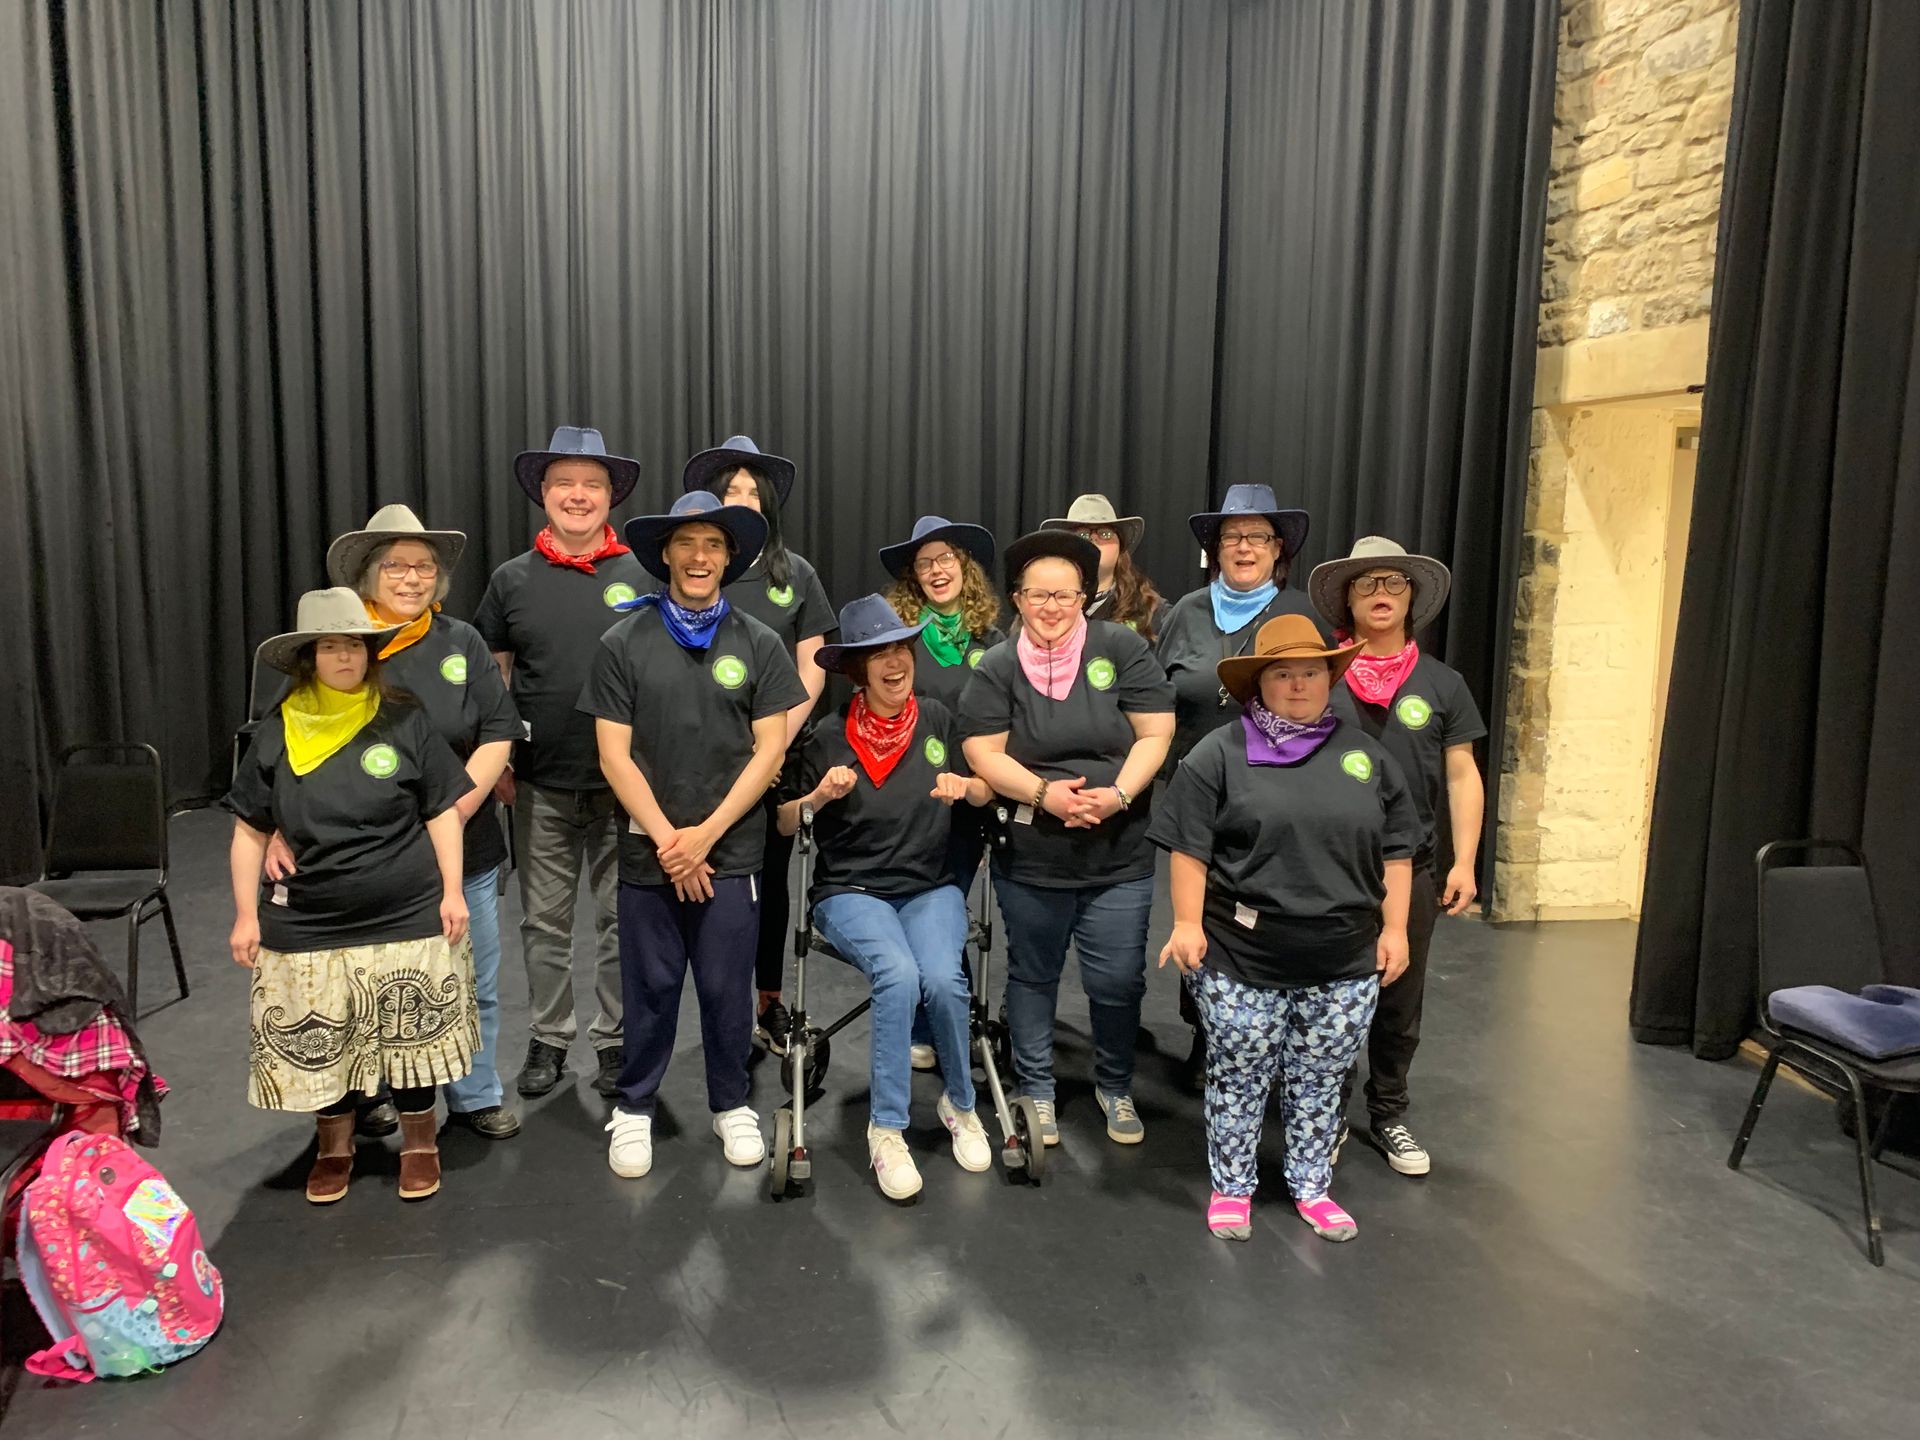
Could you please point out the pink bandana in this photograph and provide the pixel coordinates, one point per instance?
(1376, 679)
(1051, 672)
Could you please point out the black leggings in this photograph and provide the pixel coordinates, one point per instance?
(407, 1102)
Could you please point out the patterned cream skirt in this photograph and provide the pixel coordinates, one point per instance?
(326, 1022)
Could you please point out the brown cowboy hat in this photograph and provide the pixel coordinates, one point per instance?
(1285, 637)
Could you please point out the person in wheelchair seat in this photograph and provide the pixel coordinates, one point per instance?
(880, 778)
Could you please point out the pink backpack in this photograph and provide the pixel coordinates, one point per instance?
(113, 1262)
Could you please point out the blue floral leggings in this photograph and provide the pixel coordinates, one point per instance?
(1306, 1038)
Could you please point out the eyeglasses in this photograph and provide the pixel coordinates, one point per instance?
(1105, 535)
(397, 569)
(1255, 538)
(1065, 599)
(945, 560)
(1393, 584)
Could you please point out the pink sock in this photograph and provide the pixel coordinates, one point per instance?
(1328, 1220)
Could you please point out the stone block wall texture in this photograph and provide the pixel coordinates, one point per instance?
(1640, 126)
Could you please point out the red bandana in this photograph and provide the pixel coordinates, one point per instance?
(1376, 679)
(609, 546)
(880, 743)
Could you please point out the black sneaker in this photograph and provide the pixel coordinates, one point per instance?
(773, 1028)
(542, 1070)
(376, 1118)
(1403, 1152)
(493, 1122)
(606, 1080)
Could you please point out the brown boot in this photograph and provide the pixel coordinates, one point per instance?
(419, 1156)
(333, 1164)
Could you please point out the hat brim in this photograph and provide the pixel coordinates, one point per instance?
(1239, 674)
(1131, 527)
(1432, 582)
(1290, 525)
(709, 465)
(530, 469)
(646, 534)
(976, 540)
(1045, 544)
(835, 657)
(281, 651)
(347, 556)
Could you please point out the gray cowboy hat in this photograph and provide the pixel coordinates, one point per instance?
(865, 624)
(1094, 510)
(575, 442)
(1327, 585)
(347, 556)
(1055, 544)
(1289, 525)
(745, 526)
(736, 452)
(976, 540)
(336, 611)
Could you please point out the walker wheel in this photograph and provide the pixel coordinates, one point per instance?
(1026, 1125)
(782, 1152)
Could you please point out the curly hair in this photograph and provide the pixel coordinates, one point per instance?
(979, 606)
(1135, 600)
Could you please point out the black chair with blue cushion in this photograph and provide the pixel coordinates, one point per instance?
(1828, 1012)
(106, 850)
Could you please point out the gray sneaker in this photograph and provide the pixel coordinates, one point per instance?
(1049, 1122)
(1123, 1121)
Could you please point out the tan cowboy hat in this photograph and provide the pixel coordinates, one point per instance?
(1327, 585)
(1285, 637)
(1098, 510)
(338, 611)
(347, 556)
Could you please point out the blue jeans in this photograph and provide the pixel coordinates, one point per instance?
(479, 1088)
(1107, 925)
(910, 950)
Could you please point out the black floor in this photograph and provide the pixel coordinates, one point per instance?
(1580, 1263)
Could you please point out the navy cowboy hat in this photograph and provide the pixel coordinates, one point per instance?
(575, 442)
(865, 624)
(1044, 544)
(738, 451)
(646, 534)
(976, 540)
(1289, 525)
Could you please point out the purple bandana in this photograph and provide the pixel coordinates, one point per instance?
(1275, 740)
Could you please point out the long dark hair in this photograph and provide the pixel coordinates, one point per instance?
(1135, 600)
(773, 555)
(306, 672)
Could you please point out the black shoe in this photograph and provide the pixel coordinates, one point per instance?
(773, 1028)
(607, 1081)
(1403, 1152)
(542, 1072)
(377, 1119)
(494, 1122)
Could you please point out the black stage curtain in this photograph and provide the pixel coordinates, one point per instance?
(268, 266)
(1793, 696)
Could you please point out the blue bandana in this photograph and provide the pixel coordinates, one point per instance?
(1234, 610)
(693, 629)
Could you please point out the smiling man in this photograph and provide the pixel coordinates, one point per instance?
(542, 617)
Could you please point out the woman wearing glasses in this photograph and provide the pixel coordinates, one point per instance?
(1069, 722)
(1123, 593)
(940, 577)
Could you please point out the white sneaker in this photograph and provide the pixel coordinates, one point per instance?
(971, 1148)
(893, 1167)
(630, 1155)
(923, 1057)
(740, 1138)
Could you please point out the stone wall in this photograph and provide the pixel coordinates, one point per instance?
(1640, 125)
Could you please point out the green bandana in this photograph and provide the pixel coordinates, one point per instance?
(947, 636)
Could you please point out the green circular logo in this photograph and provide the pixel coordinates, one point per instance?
(781, 595)
(1358, 764)
(379, 761)
(936, 752)
(730, 671)
(973, 660)
(453, 669)
(1100, 673)
(617, 593)
(1414, 712)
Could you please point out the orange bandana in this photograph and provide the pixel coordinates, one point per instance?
(409, 632)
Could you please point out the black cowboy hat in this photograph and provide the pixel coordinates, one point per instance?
(573, 442)
(745, 526)
(976, 540)
(1289, 525)
(1054, 544)
(739, 451)
(865, 624)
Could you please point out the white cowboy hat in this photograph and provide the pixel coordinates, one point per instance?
(1096, 509)
(1327, 585)
(347, 556)
(338, 611)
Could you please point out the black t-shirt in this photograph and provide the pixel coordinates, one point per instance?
(947, 683)
(1431, 712)
(890, 841)
(692, 713)
(366, 873)
(1088, 734)
(798, 612)
(1298, 847)
(450, 672)
(551, 618)
(1190, 645)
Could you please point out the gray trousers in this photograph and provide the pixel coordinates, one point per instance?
(556, 835)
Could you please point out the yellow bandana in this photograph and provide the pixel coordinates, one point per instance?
(320, 720)
(409, 632)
